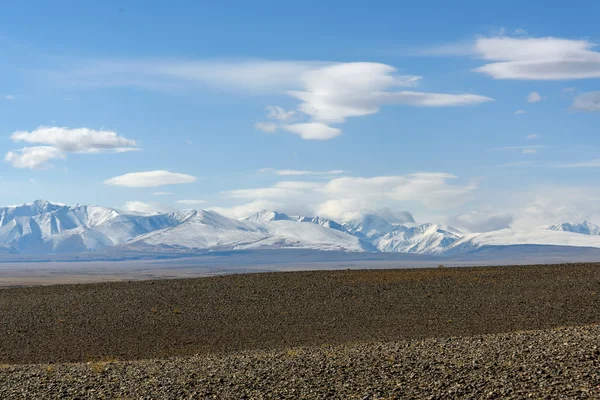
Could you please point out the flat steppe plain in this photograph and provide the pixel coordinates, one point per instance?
(481, 332)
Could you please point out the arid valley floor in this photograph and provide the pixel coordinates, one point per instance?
(477, 332)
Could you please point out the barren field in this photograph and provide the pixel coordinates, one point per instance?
(388, 329)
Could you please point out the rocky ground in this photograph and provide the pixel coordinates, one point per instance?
(549, 364)
(328, 334)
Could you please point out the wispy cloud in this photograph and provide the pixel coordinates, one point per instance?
(295, 172)
(313, 130)
(267, 127)
(533, 136)
(327, 93)
(150, 179)
(346, 197)
(589, 101)
(581, 164)
(146, 207)
(520, 112)
(278, 113)
(534, 97)
(529, 149)
(191, 202)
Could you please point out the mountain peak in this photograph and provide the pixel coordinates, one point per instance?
(584, 228)
(370, 226)
(266, 215)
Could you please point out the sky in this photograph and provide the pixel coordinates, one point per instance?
(453, 112)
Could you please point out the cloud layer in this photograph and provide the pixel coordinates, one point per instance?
(327, 92)
(295, 172)
(348, 197)
(331, 94)
(545, 58)
(149, 179)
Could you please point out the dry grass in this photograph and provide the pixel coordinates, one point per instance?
(294, 352)
(100, 365)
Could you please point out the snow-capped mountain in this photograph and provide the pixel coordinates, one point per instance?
(585, 228)
(371, 227)
(422, 239)
(42, 227)
(264, 216)
(511, 237)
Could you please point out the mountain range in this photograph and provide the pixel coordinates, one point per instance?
(42, 227)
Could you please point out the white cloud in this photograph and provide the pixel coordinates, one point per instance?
(313, 130)
(294, 172)
(533, 136)
(481, 221)
(348, 197)
(520, 112)
(551, 205)
(267, 127)
(546, 58)
(589, 101)
(523, 149)
(248, 209)
(279, 190)
(278, 113)
(534, 97)
(8, 97)
(190, 202)
(328, 92)
(146, 208)
(331, 94)
(257, 76)
(37, 157)
(58, 141)
(80, 140)
(149, 179)
(430, 189)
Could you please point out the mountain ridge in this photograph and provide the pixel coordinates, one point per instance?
(43, 227)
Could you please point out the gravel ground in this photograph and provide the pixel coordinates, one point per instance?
(143, 320)
(327, 334)
(550, 364)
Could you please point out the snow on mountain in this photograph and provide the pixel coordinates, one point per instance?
(510, 237)
(585, 228)
(371, 227)
(265, 215)
(422, 239)
(42, 227)
(209, 230)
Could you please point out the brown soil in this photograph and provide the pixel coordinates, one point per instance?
(144, 319)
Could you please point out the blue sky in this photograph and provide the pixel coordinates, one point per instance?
(481, 117)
